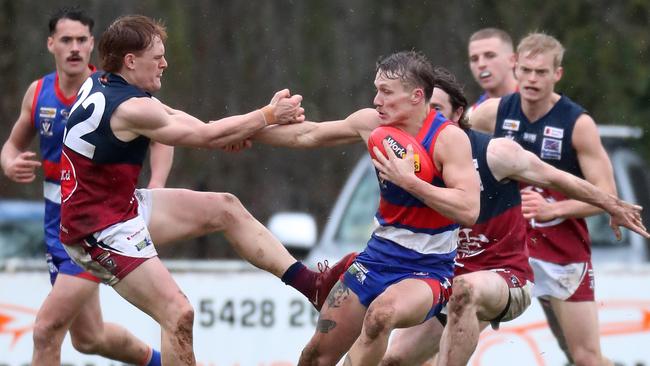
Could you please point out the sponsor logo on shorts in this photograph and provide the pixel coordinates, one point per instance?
(515, 281)
(511, 124)
(106, 261)
(554, 132)
(50, 263)
(551, 149)
(135, 234)
(143, 244)
(46, 112)
(358, 271)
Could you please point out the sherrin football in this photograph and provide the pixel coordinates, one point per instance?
(398, 140)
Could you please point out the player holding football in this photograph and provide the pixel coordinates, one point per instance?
(400, 279)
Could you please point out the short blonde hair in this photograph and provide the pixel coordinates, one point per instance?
(537, 43)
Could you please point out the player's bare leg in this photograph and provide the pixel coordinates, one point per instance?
(579, 323)
(338, 326)
(476, 295)
(151, 288)
(554, 325)
(55, 316)
(413, 345)
(90, 335)
(403, 304)
(181, 214)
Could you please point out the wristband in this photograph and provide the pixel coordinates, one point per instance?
(268, 114)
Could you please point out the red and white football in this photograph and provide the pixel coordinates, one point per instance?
(398, 140)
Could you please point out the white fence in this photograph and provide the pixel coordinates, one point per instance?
(247, 317)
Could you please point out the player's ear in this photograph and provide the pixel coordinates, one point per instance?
(559, 71)
(512, 60)
(417, 95)
(50, 44)
(129, 61)
(457, 114)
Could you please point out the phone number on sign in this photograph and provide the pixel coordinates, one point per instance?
(251, 313)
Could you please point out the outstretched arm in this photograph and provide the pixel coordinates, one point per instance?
(149, 117)
(17, 162)
(507, 159)
(314, 134)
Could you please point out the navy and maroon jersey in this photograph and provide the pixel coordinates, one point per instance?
(560, 241)
(99, 172)
(50, 110)
(421, 233)
(498, 238)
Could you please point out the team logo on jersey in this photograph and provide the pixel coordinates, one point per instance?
(358, 271)
(47, 112)
(511, 124)
(46, 127)
(470, 245)
(530, 137)
(551, 149)
(554, 132)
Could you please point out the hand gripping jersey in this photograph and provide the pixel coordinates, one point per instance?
(422, 235)
(99, 172)
(50, 110)
(560, 241)
(498, 238)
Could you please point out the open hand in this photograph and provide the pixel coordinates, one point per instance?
(629, 216)
(23, 168)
